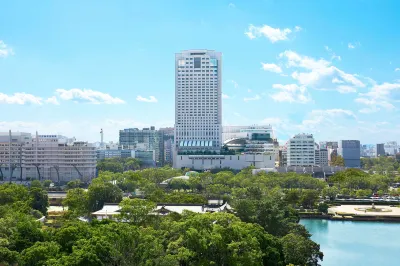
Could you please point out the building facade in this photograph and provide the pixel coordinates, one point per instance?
(146, 139)
(350, 151)
(380, 150)
(166, 142)
(321, 157)
(198, 102)
(236, 162)
(42, 157)
(391, 148)
(301, 151)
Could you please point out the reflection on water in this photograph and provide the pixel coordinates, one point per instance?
(355, 243)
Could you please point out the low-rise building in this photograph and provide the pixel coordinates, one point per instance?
(42, 157)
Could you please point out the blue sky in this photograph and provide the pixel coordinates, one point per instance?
(321, 67)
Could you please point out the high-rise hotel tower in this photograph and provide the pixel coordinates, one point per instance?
(198, 105)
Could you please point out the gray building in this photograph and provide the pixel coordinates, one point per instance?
(166, 142)
(146, 139)
(350, 151)
(380, 149)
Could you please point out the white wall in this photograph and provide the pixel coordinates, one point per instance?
(204, 162)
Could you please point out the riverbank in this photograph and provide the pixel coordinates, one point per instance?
(381, 213)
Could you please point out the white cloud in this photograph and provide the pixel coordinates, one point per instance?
(5, 50)
(333, 113)
(151, 99)
(346, 89)
(231, 5)
(20, 98)
(255, 98)
(292, 93)
(87, 95)
(320, 73)
(397, 69)
(297, 29)
(52, 100)
(225, 96)
(337, 81)
(235, 84)
(353, 45)
(327, 48)
(271, 68)
(273, 34)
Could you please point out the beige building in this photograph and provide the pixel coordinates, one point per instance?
(54, 157)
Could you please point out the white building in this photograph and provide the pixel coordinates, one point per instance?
(198, 103)
(45, 157)
(391, 148)
(301, 151)
(237, 162)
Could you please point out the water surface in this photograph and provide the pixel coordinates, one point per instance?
(356, 243)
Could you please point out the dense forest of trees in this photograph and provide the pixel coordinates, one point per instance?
(262, 229)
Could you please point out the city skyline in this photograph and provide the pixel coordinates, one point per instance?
(73, 73)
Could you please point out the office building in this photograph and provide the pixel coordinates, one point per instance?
(146, 139)
(41, 157)
(350, 151)
(198, 103)
(301, 150)
(244, 146)
(251, 139)
(321, 157)
(380, 150)
(166, 142)
(391, 148)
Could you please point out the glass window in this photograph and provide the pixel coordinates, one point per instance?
(181, 62)
(197, 62)
(213, 62)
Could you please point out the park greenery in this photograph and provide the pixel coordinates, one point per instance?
(262, 228)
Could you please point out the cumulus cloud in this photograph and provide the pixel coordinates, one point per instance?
(231, 5)
(5, 50)
(225, 96)
(88, 96)
(52, 100)
(272, 34)
(291, 93)
(255, 98)
(397, 69)
(379, 96)
(151, 99)
(271, 67)
(319, 73)
(20, 98)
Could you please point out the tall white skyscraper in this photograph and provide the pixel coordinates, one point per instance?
(198, 104)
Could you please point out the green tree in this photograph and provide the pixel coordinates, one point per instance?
(292, 196)
(8, 257)
(40, 200)
(330, 192)
(309, 198)
(77, 201)
(100, 193)
(323, 207)
(40, 253)
(136, 211)
(299, 250)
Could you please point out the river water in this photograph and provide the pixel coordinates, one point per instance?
(356, 243)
